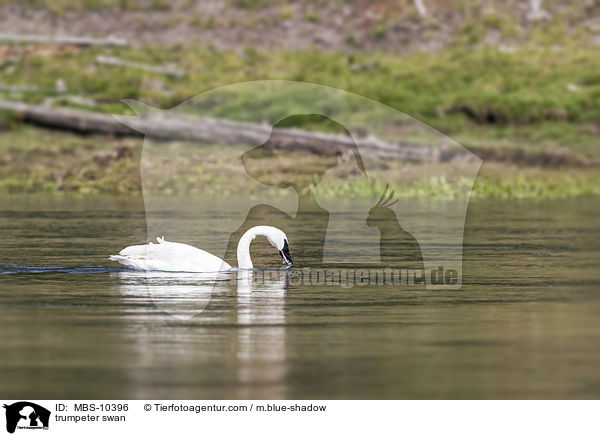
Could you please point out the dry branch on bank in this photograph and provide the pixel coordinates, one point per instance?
(20, 88)
(59, 88)
(106, 60)
(421, 7)
(221, 131)
(82, 41)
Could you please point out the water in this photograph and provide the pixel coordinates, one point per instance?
(525, 323)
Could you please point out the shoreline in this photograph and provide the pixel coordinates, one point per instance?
(95, 166)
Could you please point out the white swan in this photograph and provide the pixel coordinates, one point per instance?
(174, 256)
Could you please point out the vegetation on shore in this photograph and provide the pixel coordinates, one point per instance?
(41, 161)
(534, 95)
(530, 110)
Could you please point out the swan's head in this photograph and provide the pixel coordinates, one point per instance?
(276, 238)
(279, 240)
(285, 253)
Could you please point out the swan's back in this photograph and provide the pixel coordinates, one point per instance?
(169, 256)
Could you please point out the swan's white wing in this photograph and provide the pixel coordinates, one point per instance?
(170, 256)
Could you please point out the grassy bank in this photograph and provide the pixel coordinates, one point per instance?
(40, 161)
(536, 97)
(527, 105)
(539, 94)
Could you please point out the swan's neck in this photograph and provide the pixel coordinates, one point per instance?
(243, 249)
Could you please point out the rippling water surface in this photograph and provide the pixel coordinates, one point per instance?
(525, 323)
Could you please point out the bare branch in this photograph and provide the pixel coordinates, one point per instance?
(139, 66)
(83, 41)
(221, 131)
(421, 7)
(536, 12)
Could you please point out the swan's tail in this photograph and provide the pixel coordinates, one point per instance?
(137, 256)
(134, 263)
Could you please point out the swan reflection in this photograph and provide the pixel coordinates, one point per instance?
(181, 294)
(261, 347)
(254, 303)
(261, 296)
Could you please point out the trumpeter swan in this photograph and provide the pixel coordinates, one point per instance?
(174, 256)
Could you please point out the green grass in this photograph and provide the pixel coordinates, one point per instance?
(539, 98)
(40, 161)
(539, 93)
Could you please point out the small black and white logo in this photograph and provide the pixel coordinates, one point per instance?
(26, 415)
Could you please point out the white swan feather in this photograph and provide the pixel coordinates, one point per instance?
(178, 257)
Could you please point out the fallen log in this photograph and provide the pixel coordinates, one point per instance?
(20, 88)
(421, 7)
(221, 131)
(82, 41)
(66, 119)
(106, 60)
(60, 88)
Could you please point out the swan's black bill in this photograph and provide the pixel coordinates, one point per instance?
(285, 254)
